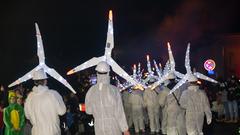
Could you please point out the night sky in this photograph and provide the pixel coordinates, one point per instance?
(74, 31)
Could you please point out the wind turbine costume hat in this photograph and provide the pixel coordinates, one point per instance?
(169, 72)
(106, 57)
(190, 76)
(39, 72)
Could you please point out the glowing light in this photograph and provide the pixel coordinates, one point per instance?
(147, 57)
(168, 44)
(70, 72)
(134, 66)
(199, 82)
(110, 15)
(82, 107)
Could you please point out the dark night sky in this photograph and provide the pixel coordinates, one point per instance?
(74, 31)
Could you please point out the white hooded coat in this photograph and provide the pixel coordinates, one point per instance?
(127, 107)
(137, 105)
(162, 100)
(43, 107)
(196, 104)
(104, 102)
(173, 115)
(150, 98)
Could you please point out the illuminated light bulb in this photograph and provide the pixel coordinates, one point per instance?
(70, 72)
(134, 66)
(110, 16)
(147, 57)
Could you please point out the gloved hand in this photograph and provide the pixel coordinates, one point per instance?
(209, 121)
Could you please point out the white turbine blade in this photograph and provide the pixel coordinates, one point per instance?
(166, 68)
(201, 76)
(179, 84)
(157, 83)
(171, 59)
(134, 72)
(40, 50)
(157, 69)
(26, 77)
(92, 62)
(117, 69)
(178, 74)
(58, 77)
(187, 60)
(126, 87)
(110, 37)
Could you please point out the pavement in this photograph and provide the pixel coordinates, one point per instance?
(216, 128)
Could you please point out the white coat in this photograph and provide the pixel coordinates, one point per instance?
(104, 102)
(137, 105)
(43, 107)
(196, 104)
(150, 98)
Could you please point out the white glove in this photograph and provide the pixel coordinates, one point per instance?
(209, 121)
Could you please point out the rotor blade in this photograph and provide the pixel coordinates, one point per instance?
(92, 62)
(180, 83)
(117, 69)
(58, 77)
(204, 77)
(40, 49)
(26, 77)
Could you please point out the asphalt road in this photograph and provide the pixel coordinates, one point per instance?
(216, 128)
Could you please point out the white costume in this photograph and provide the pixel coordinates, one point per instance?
(127, 107)
(196, 104)
(137, 105)
(150, 98)
(42, 108)
(104, 102)
(42, 105)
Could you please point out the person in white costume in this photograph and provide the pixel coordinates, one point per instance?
(197, 105)
(150, 98)
(194, 100)
(127, 107)
(137, 106)
(43, 106)
(104, 102)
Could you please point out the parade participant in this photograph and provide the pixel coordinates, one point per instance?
(193, 99)
(127, 107)
(150, 98)
(104, 102)
(43, 106)
(162, 99)
(196, 104)
(137, 104)
(13, 116)
(172, 108)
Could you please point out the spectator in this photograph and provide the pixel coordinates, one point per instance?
(224, 92)
(13, 116)
(232, 97)
(1, 118)
(218, 108)
(3, 96)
